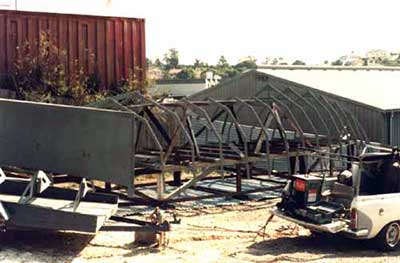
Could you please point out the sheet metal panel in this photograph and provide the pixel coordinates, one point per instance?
(392, 125)
(118, 44)
(83, 142)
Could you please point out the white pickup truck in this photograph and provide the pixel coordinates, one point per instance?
(361, 203)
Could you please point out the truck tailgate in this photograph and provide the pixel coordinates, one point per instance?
(334, 227)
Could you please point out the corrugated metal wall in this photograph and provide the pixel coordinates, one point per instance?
(253, 83)
(117, 44)
(393, 127)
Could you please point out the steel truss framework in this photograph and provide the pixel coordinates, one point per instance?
(232, 136)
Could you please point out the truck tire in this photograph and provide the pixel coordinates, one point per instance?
(389, 237)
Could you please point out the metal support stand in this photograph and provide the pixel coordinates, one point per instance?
(107, 187)
(238, 179)
(177, 178)
(92, 186)
(302, 164)
(160, 186)
(83, 189)
(3, 212)
(39, 182)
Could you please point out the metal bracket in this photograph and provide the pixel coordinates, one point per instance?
(92, 186)
(83, 189)
(3, 213)
(39, 182)
(2, 176)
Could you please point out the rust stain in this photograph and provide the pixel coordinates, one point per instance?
(116, 44)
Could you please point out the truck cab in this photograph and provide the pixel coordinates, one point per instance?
(361, 202)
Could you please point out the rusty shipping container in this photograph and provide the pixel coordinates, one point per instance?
(112, 46)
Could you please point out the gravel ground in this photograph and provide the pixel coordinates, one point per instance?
(216, 234)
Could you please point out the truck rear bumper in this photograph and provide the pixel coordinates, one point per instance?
(333, 228)
(357, 234)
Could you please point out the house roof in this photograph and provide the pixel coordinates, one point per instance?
(373, 86)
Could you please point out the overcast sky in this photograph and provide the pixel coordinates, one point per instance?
(311, 30)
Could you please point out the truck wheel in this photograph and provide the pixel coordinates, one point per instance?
(389, 237)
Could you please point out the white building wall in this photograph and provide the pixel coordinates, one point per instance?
(8, 4)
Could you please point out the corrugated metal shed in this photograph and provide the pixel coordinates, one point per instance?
(118, 44)
(392, 127)
(253, 83)
(177, 88)
(360, 84)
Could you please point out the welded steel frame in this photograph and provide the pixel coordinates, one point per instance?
(180, 149)
(342, 119)
(138, 104)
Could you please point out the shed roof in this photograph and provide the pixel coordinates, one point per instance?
(378, 88)
(178, 88)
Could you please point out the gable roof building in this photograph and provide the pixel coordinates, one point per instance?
(364, 92)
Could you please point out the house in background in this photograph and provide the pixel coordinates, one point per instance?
(352, 59)
(376, 56)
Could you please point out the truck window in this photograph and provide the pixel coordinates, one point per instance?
(380, 177)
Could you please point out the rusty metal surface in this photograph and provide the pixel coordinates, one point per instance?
(117, 44)
(83, 142)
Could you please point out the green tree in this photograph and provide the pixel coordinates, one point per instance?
(171, 59)
(337, 63)
(275, 61)
(149, 63)
(249, 63)
(222, 62)
(158, 63)
(198, 64)
(299, 63)
(186, 73)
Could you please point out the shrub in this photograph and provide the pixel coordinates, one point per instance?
(42, 76)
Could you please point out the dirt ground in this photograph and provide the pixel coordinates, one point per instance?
(216, 234)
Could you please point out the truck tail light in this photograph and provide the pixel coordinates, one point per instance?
(300, 185)
(353, 218)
